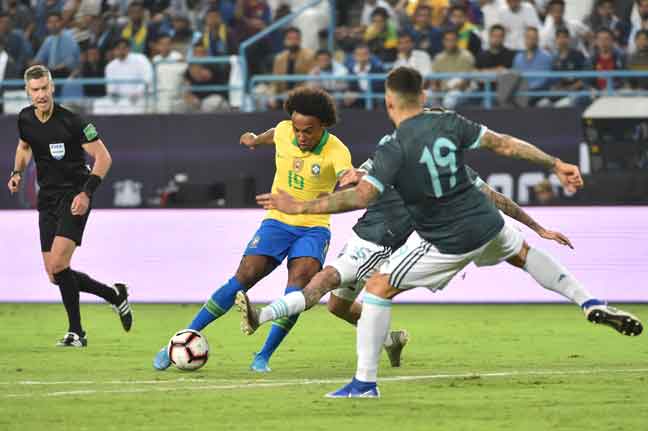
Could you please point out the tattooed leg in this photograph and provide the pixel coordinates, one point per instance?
(296, 302)
(323, 282)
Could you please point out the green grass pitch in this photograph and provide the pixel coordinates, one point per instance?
(473, 367)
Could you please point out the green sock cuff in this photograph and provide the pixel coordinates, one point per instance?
(285, 323)
(213, 308)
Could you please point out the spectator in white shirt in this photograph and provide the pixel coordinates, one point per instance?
(516, 16)
(371, 5)
(132, 66)
(555, 19)
(325, 66)
(165, 51)
(490, 12)
(414, 58)
(638, 24)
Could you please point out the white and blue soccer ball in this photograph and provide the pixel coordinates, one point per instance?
(188, 350)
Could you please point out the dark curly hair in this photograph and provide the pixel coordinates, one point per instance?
(313, 102)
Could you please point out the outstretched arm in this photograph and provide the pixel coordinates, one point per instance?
(510, 146)
(251, 140)
(355, 198)
(513, 210)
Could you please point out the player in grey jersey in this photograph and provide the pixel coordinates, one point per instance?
(454, 223)
(384, 227)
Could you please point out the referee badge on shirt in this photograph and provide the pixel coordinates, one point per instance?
(57, 150)
(298, 164)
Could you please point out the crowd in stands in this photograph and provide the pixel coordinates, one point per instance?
(133, 39)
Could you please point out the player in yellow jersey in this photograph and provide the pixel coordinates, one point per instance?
(308, 162)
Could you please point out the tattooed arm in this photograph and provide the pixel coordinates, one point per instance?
(509, 146)
(513, 210)
(355, 198)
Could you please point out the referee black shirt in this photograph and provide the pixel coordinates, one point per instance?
(57, 147)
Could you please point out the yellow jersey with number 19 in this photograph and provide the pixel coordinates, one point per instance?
(306, 175)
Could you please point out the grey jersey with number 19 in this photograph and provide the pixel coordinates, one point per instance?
(424, 161)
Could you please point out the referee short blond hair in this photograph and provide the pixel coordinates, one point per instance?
(37, 71)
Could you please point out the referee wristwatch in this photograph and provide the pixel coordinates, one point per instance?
(20, 173)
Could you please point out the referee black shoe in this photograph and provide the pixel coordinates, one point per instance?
(122, 306)
(72, 339)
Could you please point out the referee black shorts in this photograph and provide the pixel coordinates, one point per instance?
(55, 218)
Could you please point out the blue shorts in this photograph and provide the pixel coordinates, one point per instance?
(279, 240)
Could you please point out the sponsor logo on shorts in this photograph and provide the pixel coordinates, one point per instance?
(315, 169)
(298, 164)
(57, 150)
(255, 241)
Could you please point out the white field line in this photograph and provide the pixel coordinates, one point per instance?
(252, 384)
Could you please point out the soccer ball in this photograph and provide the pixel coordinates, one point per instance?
(188, 350)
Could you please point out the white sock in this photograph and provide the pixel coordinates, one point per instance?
(551, 275)
(373, 327)
(388, 339)
(288, 305)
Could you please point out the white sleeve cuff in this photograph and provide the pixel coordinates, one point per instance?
(477, 142)
(374, 182)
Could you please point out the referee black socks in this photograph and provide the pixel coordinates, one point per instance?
(68, 286)
(89, 285)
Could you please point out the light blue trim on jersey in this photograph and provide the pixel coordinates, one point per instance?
(366, 166)
(385, 139)
(376, 300)
(479, 182)
(374, 182)
(477, 142)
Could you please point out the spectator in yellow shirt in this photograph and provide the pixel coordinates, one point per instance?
(439, 9)
(381, 36)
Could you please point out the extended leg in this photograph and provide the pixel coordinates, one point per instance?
(300, 271)
(343, 306)
(291, 304)
(251, 269)
(551, 275)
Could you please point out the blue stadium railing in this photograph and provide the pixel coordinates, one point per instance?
(485, 95)
(12, 90)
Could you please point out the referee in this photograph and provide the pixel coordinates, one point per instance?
(58, 140)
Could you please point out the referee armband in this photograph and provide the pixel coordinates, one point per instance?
(91, 184)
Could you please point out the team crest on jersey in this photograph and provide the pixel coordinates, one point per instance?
(315, 169)
(298, 164)
(57, 150)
